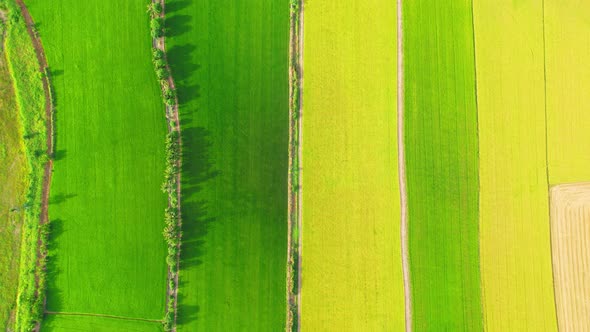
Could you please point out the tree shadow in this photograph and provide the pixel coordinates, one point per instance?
(177, 25)
(183, 69)
(59, 155)
(53, 294)
(58, 199)
(177, 5)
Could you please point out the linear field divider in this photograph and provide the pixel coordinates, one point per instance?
(172, 185)
(294, 236)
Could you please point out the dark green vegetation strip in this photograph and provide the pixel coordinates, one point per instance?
(442, 164)
(294, 227)
(172, 175)
(106, 207)
(13, 179)
(229, 60)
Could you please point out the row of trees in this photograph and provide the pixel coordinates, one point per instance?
(172, 230)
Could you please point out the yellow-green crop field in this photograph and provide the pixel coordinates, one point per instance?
(517, 291)
(352, 272)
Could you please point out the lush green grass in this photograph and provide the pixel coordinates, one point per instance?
(517, 279)
(230, 62)
(13, 177)
(97, 324)
(106, 207)
(24, 70)
(352, 270)
(442, 168)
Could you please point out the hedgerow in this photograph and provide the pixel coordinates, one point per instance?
(172, 222)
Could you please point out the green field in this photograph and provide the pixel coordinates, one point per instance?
(13, 180)
(352, 272)
(442, 168)
(106, 207)
(97, 324)
(517, 280)
(229, 60)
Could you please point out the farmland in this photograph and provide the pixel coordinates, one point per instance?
(291, 165)
(570, 214)
(440, 110)
(106, 207)
(514, 219)
(351, 255)
(230, 63)
(568, 78)
(13, 177)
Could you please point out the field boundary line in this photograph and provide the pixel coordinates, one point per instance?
(402, 170)
(551, 235)
(294, 178)
(48, 168)
(479, 256)
(82, 314)
(172, 114)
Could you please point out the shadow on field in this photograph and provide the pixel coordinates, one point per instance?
(175, 6)
(54, 296)
(178, 24)
(60, 198)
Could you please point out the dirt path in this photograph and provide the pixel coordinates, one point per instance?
(295, 189)
(160, 43)
(48, 169)
(402, 170)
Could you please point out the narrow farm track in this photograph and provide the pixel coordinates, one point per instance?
(295, 154)
(48, 169)
(402, 169)
(160, 43)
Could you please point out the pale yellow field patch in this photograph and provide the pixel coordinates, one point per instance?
(351, 256)
(567, 29)
(515, 251)
(570, 235)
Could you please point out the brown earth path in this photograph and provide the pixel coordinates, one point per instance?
(48, 169)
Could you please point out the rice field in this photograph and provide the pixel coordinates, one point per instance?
(234, 116)
(514, 238)
(106, 251)
(351, 275)
(442, 165)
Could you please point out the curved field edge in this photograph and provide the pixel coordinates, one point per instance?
(30, 96)
(14, 173)
(106, 189)
(440, 126)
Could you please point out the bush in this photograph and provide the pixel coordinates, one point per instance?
(162, 73)
(157, 27)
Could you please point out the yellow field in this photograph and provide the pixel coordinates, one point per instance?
(517, 286)
(352, 271)
(570, 232)
(568, 90)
